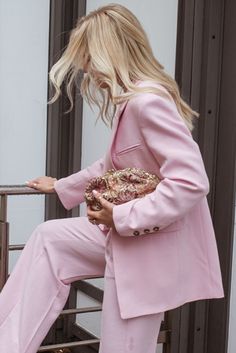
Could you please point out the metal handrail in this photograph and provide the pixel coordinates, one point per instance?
(21, 189)
(5, 191)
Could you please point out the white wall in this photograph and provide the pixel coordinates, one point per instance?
(24, 27)
(159, 18)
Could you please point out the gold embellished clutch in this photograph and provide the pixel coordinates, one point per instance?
(120, 186)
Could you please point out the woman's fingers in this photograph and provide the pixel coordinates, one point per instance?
(92, 214)
(104, 216)
(35, 181)
(32, 183)
(104, 203)
(44, 184)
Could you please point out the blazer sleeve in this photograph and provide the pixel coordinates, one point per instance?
(71, 189)
(183, 176)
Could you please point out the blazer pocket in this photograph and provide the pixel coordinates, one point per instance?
(128, 149)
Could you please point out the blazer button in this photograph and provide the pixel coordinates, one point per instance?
(136, 232)
(146, 230)
(156, 228)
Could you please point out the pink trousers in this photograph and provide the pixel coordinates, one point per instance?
(58, 253)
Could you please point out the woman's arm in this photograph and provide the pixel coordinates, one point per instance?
(184, 179)
(70, 189)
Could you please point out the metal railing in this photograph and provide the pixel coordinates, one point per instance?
(6, 190)
(5, 247)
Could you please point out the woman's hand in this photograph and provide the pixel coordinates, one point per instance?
(105, 215)
(44, 184)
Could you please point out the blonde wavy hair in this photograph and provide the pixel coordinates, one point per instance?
(111, 46)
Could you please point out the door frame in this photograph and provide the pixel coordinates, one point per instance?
(64, 130)
(206, 74)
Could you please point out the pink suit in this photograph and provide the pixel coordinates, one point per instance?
(175, 236)
(162, 254)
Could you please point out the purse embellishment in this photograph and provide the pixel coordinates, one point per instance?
(120, 186)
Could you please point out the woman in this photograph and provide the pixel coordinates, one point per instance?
(156, 253)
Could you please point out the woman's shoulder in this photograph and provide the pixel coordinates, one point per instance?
(151, 84)
(156, 109)
(150, 92)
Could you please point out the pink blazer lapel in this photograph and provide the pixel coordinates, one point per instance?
(119, 113)
(116, 121)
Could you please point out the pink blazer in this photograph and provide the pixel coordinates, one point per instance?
(164, 247)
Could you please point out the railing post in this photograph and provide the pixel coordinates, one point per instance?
(4, 241)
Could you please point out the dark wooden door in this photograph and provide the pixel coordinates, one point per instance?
(206, 73)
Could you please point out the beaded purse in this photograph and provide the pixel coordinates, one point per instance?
(120, 186)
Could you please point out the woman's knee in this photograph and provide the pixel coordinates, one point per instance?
(45, 230)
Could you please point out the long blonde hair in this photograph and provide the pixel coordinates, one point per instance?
(112, 43)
